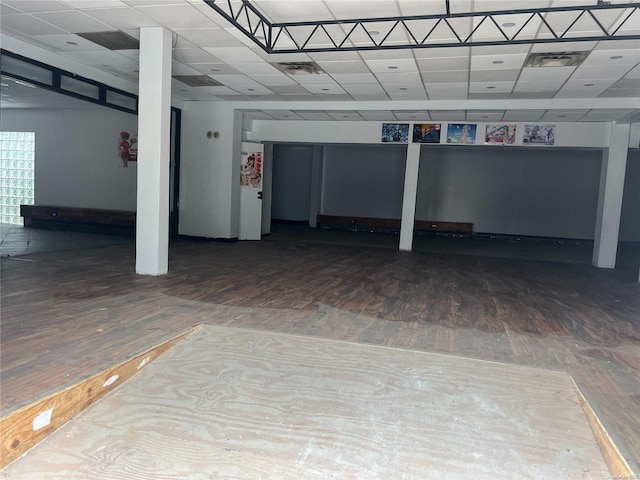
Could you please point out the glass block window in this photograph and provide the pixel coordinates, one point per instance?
(17, 159)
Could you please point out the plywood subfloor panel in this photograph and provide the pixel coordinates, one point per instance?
(235, 403)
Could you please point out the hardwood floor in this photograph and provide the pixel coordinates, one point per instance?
(67, 314)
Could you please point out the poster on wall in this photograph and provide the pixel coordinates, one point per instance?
(128, 148)
(461, 133)
(395, 132)
(251, 170)
(500, 134)
(539, 134)
(426, 132)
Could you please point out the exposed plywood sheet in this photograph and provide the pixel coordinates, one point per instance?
(233, 403)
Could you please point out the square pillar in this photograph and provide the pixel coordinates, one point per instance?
(409, 196)
(154, 117)
(614, 164)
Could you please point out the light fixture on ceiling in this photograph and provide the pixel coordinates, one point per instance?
(392, 67)
(508, 24)
(555, 59)
(298, 68)
(373, 33)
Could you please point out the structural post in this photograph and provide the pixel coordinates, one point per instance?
(315, 195)
(154, 116)
(614, 163)
(409, 196)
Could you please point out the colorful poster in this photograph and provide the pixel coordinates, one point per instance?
(426, 132)
(539, 134)
(461, 133)
(251, 169)
(500, 134)
(395, 132)
(128, 147)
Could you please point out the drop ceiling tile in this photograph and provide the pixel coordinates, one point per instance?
(540, 86)
(209, 37)
(502, 62)
(69, 42)
(411, 115)
(447, 91)
(298, 97)
(235, 80)
(313, 115)
(331, 89)
(276, 80)
(257, 115)
(331, 97)
(103, 57)
(122, 18)
(523, 115)
(281, 57)
(252, 90)
(458, 76)
(493, 116)
(347, 56)
(294, 10)
(370, 97)
(441, 115)
(289, 89)
(593, 71)
(563, 115)
(392, 66)
(491, 87)
(87, 4)
(283, 114)
(406, 89)
(494, 75)
(344, 116)
(621, 92)
(407, 95)
(609, 58)
(407, 78)
(633, 73)
(377, 115)
(219, 90)
(534, 74)
(501, 49)
(193, 55)
(354, 78)
(256, 68)
(395, 55)
(532, 95)
(237, 97)
(28, 25)
(178, 68)
(214, 68)
(7, 10)
(177, 16)
(589, 83)
(35, 6)
(618, 45)
(604, 115)
(441, 52)
(131, 54)
(364, 89)
(74, 21)
(627, 83)
(232, 55)
(350, 67)
(318, 79)
(563, 47)
(443, 64)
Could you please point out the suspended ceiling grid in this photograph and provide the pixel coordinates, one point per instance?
(207, 44)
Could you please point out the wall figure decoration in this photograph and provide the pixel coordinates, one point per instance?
(426, 132)
(251, 169)
(461, 133)
(500, 134)
(395, 132)
(128, 148)
(539, 134)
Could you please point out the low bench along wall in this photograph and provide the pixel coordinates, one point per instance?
(50, 216)
(392, 225)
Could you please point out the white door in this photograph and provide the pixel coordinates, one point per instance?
(251, 172)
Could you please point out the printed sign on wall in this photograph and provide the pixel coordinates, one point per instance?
(461, 133)
(395, 132)
(251, 169)
(539, 134)
(128, 147)
(426, 132)
(500, 134)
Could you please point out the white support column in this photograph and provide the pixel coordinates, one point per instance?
(614, 163)
(315, 195)
(409, 197)
(154, 115)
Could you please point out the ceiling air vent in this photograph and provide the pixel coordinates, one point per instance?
(197, 80)
(555, 59)
(298, 68)
(112, 40)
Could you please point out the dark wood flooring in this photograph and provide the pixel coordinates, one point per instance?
(68, 314)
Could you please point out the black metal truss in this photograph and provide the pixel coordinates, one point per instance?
(421, 31)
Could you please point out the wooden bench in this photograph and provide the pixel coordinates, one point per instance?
(49, 216)
(392, 225)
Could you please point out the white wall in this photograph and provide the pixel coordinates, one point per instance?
(546, 193)
(630, 217)
(77, 161)
(210, 170)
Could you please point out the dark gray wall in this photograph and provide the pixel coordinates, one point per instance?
(363, 180)
(538, 192)
(291, 182)
(630, 218)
